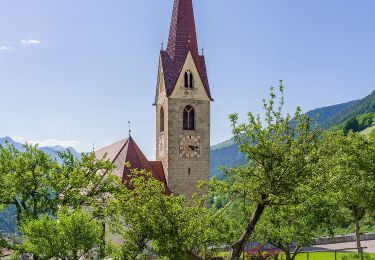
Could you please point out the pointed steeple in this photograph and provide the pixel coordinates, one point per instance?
(182, 34)
(182, 39)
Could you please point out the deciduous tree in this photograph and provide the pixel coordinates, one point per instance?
(167, 225)
(292, 227)
(280, 160)
(72, 235)
(37, 185)
(349, 162)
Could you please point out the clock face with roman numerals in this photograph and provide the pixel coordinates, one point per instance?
(190, 146)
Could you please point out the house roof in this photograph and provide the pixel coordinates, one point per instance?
(182, 40)
(128, 151)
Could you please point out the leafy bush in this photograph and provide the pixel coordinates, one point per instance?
(258, 253)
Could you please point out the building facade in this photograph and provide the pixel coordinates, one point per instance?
(182, 103)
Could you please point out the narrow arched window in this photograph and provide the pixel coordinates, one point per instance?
(189, 118)
(191, 83)
(186, 80)
(189, 79)
(161, 119)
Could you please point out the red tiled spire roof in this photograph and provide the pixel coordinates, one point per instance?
(182, 34)
(182, 39)
(128, 151)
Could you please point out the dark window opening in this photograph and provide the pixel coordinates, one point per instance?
(189, 118)
(189, 172)
(161, 119)
(186, 80)
(189, 79)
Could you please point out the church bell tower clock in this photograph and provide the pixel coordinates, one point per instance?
(183, 101)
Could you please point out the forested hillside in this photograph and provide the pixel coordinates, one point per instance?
(226, 154)
(356, 124)
(335, 115)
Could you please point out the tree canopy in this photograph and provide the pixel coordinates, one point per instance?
(280, 157)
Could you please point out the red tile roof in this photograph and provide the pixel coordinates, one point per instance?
(110, 152)
(182, 39)
(158, 173)
(128, 151)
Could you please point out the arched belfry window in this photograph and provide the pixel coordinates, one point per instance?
(189, 79)
(161, 119)
(189, 118)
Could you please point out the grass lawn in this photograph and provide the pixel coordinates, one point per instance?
(328, 256)
(368, 130)
(318, 256)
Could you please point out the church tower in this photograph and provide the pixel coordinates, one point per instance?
(183, 105)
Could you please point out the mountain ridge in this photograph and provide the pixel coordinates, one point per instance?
(50, 150)
(227, 154)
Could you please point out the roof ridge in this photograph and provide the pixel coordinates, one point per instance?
(126, 139)
(182, 39)
(182, 32)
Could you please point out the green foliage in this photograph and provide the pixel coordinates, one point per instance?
(301, 223)
(351, 125)
(348, 161)
(366, 120)
(37, 186)
(24, 178)
(72, 235)
(169, 226)
(280, 161)
(356, 124)
(228, 155)
(225, 154)
(3, 244)
(357, 108)
(372, 134)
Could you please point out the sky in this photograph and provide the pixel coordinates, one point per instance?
(74, 72)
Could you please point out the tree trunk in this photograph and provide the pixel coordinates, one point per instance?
(238, 247)
(287, 255)
(296, 251)
(192, 256)
(357, 232)
(102, 253)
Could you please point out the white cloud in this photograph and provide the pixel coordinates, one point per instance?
(30, 42)
(19, 139)
(56, 142)
(5, 48)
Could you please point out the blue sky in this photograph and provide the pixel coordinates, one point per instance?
(73, 72)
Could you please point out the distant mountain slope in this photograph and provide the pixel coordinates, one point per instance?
(325, 113)
(357, 124)
(335, 115)
(51, 151)
(227, 154)
(363, 106)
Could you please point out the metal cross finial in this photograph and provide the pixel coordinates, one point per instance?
(162, 45)
(130, 130)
